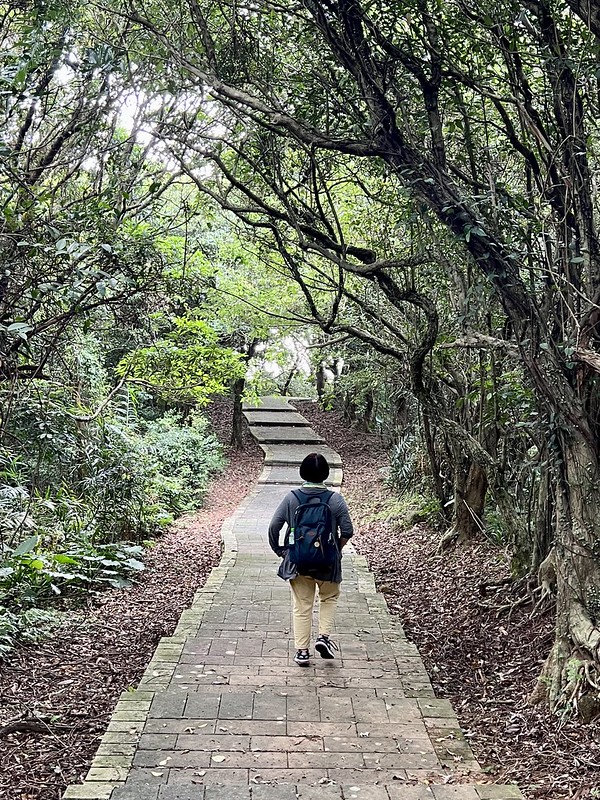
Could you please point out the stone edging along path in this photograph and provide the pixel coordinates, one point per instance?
(223, 713)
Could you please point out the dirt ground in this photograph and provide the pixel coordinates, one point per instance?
(480, 656)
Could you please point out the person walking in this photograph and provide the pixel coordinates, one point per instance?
(313, 505)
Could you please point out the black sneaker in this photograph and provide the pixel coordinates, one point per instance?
(302, 658)
(325, 647)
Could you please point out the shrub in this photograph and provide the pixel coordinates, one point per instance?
(29, 574)
(116, 479)
(185, 457)
(32, 625)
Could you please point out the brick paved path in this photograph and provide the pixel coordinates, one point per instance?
(223, 712)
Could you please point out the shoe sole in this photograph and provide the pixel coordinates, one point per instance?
(323, 650)
(302, 663)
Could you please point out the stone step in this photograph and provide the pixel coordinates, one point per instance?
(268, 404)
(290, 454)
(281, 435)
(276, 418)
(186, 785)
(288, 476)
(327, 790)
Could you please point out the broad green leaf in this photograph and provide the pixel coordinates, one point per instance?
(26, 547)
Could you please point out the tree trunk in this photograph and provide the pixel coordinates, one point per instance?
(543, 534)
(286, 386)
(470, 488)
(434, 464)
(369, 408)
(350, 413)
(237, 430)
(572, 667)
(320, 381)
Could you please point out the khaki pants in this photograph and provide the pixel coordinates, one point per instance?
(303, 599)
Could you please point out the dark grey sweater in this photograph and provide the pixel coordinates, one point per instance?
(284, 513)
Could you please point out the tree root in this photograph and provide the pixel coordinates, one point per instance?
(448, 540)
(484, 586)
(32, 726)
(585, 633)
(528, 598)
(580, 695)
(544, 595)
(543, 688)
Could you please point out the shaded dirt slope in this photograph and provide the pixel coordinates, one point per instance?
(482, 651)
(75, 679)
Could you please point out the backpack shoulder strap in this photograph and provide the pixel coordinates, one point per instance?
(303, 497)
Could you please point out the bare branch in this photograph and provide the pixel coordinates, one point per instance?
(479, 341)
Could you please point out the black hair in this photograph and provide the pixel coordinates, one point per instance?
(314, 468)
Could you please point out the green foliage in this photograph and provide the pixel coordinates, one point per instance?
(419, 506)
(404, 461)
(30, 575)
(187, 365)
(185, 457)
(149, 473)
(496, 530)
(67, 540)
(410, 508)
(32, 625)
(14, 513)
(261, 382)
(88, 217)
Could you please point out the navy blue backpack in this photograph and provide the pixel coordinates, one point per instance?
(311, 540)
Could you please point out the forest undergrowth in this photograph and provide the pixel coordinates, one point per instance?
(482, 648)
